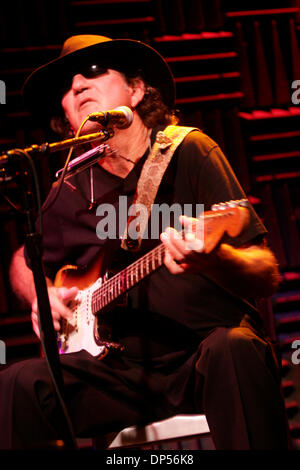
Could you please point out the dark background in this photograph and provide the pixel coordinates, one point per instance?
(234, 64)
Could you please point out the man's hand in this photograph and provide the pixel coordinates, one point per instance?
(250, 271)
(186, 254)
(58, 298)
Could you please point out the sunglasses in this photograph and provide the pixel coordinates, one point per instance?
(88, 71)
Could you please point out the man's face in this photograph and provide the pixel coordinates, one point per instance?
(87, 95)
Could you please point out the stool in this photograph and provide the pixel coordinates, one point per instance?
(177, 428)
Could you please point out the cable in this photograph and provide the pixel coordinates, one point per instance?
(36, 185)
(62, 176)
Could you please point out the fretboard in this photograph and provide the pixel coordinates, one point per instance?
(223, 217)
(127, 278)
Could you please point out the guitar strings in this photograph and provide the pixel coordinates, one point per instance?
(112, 287)
(128, 274)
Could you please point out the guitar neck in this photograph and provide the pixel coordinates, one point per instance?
(126, 279)
(228, 218)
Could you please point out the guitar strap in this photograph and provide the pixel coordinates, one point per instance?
(166, 142)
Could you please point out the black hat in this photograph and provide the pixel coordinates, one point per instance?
(43, 88)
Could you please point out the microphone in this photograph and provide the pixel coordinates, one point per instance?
(84, 161)
(121, 117)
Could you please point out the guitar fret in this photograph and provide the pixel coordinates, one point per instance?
(111, 291)
(117, 287)
(104, 296)
(123, 287)
(94, 305)
(216, 223)
(131, 276)
(127, 279)
(123, 281)
(159, 257)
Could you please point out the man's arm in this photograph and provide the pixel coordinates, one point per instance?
(247, 272)
(22, 282)
(21, 278)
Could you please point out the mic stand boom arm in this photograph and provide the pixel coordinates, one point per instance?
(47, 148)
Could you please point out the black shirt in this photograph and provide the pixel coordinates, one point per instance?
(163, 307)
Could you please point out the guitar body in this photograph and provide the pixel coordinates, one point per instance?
(89, 328)
(86, 330)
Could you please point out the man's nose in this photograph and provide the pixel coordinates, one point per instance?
(79, 83)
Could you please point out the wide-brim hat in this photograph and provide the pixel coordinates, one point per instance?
(42, 90)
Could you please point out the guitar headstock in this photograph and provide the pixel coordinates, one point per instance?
(226, 217)
(238, 213)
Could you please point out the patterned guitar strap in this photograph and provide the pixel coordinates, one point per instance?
(166, 143)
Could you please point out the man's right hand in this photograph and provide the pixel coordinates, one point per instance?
(58, 298)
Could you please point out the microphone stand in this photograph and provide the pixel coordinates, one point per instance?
(33, 243)
(47, 148)
(34, 248)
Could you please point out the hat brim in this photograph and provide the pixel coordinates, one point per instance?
(43, 87)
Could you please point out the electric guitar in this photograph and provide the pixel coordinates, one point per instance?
(88, 328)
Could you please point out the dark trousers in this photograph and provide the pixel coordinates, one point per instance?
(233, 378)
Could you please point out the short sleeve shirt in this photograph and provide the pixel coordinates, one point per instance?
(184, 305)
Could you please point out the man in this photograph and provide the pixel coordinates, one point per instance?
(193, 340)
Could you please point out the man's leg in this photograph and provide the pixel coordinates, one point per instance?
(241, 395)
(97, 399)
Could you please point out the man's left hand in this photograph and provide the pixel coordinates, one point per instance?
(185, 252)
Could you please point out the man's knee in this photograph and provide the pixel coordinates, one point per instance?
(29, 377)
(233, 342)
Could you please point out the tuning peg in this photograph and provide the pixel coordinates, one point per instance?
(232, 204)
(219, 207)
(215, 207)
(243, 202)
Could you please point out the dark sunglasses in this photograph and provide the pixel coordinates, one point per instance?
(88, 71)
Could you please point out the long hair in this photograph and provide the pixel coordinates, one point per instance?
(152, 109)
